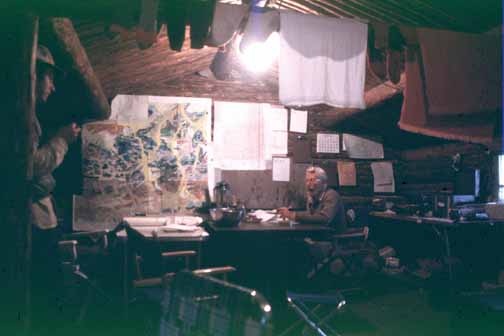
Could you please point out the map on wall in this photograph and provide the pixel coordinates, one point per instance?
(150, 156)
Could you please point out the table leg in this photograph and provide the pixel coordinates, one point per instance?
(125, 278)
(448, 253)
(198, 260)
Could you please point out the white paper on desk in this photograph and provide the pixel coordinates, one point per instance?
(179, 227)
(145, 221)
(328, 143)
(263, 215)
(188, 220)
(346, 173)
(298, 121)
(383, 176)
(281, 169)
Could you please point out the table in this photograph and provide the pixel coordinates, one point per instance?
(157, 232)
(264, 254)
(283, 228)
(435, 222)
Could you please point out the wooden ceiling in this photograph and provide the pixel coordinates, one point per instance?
(459, 15)
(124, 68)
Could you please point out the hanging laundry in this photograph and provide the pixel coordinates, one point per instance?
(322, 60)
(197, 13)
(226, 21)
(200, 19)
(174, 13)
(146, 34)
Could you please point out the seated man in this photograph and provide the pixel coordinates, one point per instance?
(323, 205)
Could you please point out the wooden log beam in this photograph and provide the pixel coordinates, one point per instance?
(115, 11)
(74, 56)
(17, 82)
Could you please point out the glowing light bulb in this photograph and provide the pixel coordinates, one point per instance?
(258, 57)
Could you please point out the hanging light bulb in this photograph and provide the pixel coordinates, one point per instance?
(258, 56)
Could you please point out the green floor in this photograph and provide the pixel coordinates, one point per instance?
(389, 307)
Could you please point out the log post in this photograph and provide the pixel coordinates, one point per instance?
(74, 57)
(17, 83)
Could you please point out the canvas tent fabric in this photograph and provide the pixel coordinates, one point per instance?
(463, 72)
(415, 113)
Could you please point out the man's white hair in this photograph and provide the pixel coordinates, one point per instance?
(319, 173)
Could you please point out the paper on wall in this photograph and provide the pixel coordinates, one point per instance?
(275, 130)
(383, 176)
(278, 144)
(281, 169)
(238, 143)
(247, 135)
(298, 121)
(328, 143)
(346, 173)
(130, 109)
(362, 148)
(96, 213)
(275, 117)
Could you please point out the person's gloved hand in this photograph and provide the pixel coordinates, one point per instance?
(69, 132)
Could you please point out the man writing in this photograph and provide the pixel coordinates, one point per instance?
(323, 205)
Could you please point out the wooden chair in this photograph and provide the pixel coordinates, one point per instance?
(80, 289)
(151, 263)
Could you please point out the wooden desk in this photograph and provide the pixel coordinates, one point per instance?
(157, 233)
(437, 221)
(440, 225)
(283, 229)
(264, 254)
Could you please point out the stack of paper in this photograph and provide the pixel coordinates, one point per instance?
(264, 215)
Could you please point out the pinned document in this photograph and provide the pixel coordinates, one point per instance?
(298, 121)
(328, 143)
(281, 169)
(346, 173)
(383, 175)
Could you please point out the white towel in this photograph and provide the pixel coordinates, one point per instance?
(322, 60)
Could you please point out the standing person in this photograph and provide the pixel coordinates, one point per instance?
(46, 158)
(323, 205)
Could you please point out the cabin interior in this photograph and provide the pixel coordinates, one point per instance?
(179, 127)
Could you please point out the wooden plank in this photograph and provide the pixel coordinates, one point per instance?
(17, 80)
(75, 57)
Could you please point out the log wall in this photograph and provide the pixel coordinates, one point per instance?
(430, 169)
